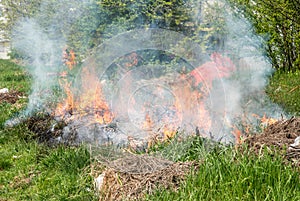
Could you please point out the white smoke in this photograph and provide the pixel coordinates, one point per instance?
(43, 38)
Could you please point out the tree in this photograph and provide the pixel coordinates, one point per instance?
(85, 24)
(278, 22)
(13, 10)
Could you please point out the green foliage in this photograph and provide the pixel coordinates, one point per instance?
(14, 10)
(279, 23)
(153, 13)
(203, 22)
(31, 171)
(84, 25)
(284, 89)
(12, 77)
(188, 149)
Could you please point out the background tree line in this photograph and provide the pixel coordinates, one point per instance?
(277, 22)
(105, 19)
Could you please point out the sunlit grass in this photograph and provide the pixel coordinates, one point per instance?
(13, 77)
(284, 89)
(225, 174)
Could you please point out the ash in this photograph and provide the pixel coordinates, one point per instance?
(85, 130)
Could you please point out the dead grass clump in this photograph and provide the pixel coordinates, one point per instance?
(134, 176)
(11, 97)
(278, 136)
(44, 126)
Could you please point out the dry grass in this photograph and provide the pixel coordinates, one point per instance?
(134, 176)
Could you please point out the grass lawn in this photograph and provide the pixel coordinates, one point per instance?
(32, 171)
(226, 174)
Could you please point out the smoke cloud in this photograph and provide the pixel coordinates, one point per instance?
(232, 95)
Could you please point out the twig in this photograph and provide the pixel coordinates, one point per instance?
(293, 89)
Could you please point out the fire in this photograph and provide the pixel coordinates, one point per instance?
(237, 134)
(191, 93)
(148, 124)
(219, 67)
(67, 105)
(90, 101)
(69, 58)
(188, 106)
(268, 121)
(92, 97)
(265, 121)
(169, 131)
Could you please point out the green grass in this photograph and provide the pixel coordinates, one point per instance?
(33, 171)
(30, 171)
(284, 89)
(228, 175)
(13, 77)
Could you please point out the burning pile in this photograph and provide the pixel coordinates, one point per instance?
(156, 107)
(279, 134)
(147, 85)
(158, 112)
(90, 101)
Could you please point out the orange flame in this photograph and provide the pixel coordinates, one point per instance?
(148, 124)
(92, 97)
(189, 102)
(71, 62)
(90, 102)
(68, 104)
(265, 121)
(169, 132)
(219, 67)
(268, 121)
(190, 99)
(237, 134)
(190, 105)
